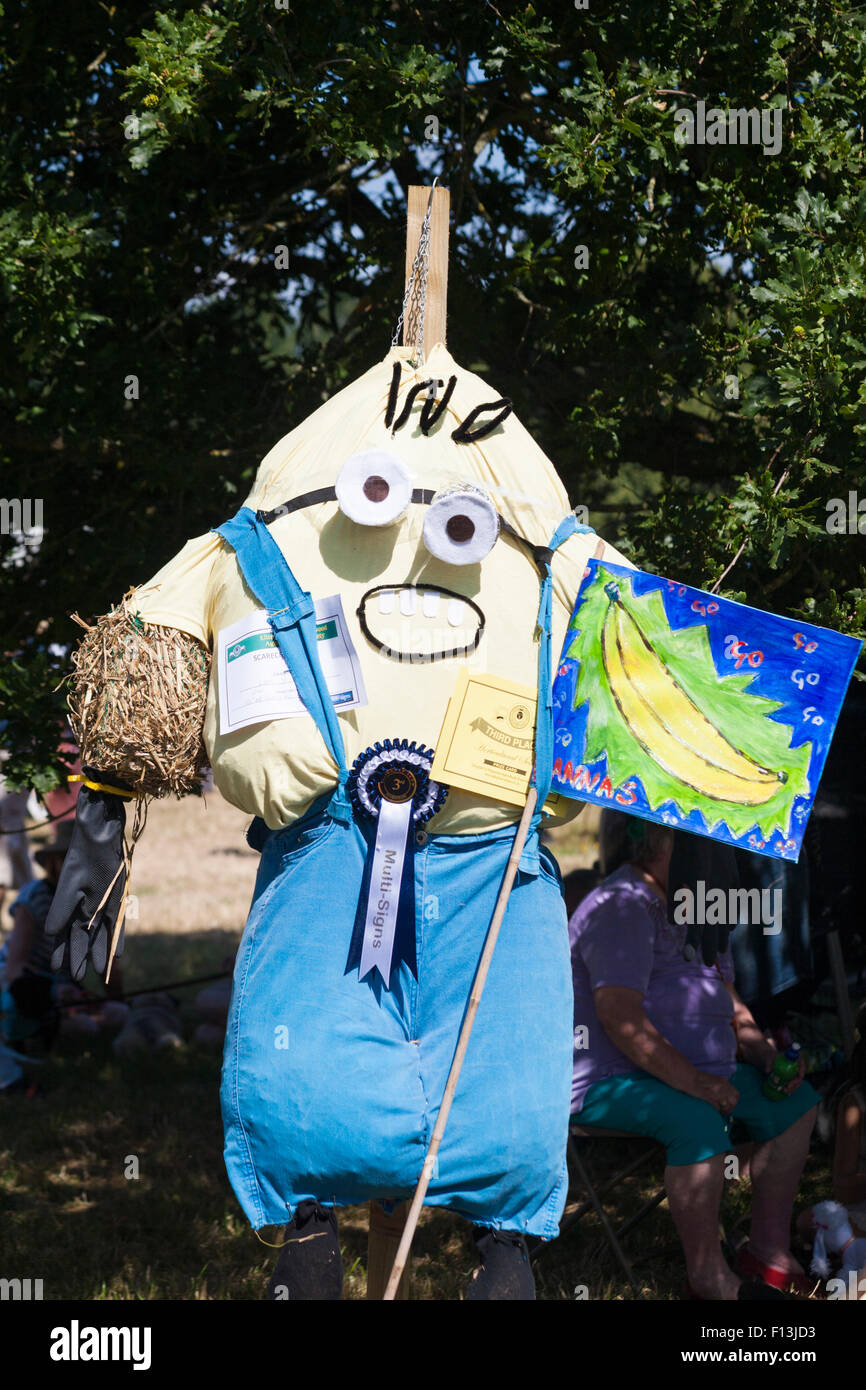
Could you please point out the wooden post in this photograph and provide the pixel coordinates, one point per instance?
(401, 1259)
(385, 1231)
(382, 1244)
(840, 988)
(437, 275)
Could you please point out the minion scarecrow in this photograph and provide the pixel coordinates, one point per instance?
(407, 527)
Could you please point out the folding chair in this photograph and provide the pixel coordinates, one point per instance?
(578, 1134)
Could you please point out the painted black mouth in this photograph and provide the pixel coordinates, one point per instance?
(428, 635)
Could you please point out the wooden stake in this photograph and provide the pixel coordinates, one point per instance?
(462, 1044)
(382, 1243)
(437, 276)
(840, 988)
(384, 1231)
(115, 936)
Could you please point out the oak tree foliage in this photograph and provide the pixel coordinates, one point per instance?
(202, 223)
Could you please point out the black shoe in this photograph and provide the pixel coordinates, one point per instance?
(505, 1271)
(309, 1267)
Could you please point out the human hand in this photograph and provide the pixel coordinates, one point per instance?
(764, 1054)
(797, 1080)
(716, 1091)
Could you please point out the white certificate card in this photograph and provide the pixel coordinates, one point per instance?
(255, 685)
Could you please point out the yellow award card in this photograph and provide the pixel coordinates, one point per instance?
(486, 741)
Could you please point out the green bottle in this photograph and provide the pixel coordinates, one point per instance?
(785, 1069)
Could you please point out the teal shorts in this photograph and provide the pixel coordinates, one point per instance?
(691, 1130)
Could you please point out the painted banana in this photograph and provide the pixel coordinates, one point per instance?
(668, 724)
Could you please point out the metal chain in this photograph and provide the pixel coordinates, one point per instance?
(415, 298)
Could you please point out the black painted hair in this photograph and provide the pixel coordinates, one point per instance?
(466, 433)
(432, 409)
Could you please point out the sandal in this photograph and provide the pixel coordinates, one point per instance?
(751, 1267)
(749, 1290)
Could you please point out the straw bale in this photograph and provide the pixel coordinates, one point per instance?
(137, 702)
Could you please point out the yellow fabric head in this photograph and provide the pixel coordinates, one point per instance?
(277, 769)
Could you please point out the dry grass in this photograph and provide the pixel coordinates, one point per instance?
(71, 1216)
(576, 844)
(192, 870)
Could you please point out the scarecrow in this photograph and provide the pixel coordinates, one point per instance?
(407, 528)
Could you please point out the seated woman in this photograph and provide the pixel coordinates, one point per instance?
(673, 1053)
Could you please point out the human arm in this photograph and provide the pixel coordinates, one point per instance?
(849, 1186)
(752, 1046)
(615, 940)
(621, 1014)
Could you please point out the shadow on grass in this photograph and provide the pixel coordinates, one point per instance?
(112, 1186)
(74, 1214)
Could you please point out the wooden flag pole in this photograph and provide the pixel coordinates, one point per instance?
(385, 1230)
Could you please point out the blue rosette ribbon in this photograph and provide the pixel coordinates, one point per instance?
(390, 784)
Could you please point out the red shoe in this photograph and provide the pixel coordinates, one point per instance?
(750, 1290)
(751, 1267)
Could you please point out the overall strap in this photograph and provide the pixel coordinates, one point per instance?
(543, 770)
(292, 619)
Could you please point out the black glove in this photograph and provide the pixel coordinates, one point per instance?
(94, 857)
(697, 859)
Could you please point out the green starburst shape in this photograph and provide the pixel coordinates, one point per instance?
(742, 718)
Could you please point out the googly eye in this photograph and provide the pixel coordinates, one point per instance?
(461, 525)
(374, 488)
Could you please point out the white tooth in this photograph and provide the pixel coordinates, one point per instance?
(430, 604)
(455, 612)
(408, 602)
(386, 601)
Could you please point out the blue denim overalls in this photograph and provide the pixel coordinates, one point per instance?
(331, 1085)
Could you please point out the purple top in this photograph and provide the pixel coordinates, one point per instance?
(620, 935)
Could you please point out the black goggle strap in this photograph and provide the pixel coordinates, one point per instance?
(327, 494)
(541, 554)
